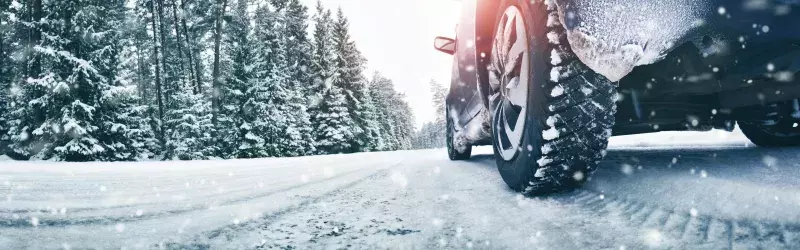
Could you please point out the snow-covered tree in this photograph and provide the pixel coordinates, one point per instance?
(63, 114)
(7, 68)
(189, 136)
(396, 121)
(124, 80)
(333, 124)
(349, 67)
(433, 134)
(298, 63)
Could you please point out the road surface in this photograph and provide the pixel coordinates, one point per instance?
(650, 192)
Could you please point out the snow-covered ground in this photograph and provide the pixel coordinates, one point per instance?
(667, 190)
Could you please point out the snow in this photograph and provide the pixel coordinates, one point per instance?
(612, 62)
(675, 139)
(555, 74)
(557, 91)
(643, 195)
(544, 161)
(547, 148)
(551, 121)
(555, 57)
(550, 134)
(553, 37)
(625, 34)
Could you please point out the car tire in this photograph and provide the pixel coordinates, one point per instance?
(775, 125)
(453, 151)
(568, 111)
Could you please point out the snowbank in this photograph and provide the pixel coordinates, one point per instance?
(693, 139)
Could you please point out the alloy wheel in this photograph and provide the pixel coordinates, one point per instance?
(509, 76)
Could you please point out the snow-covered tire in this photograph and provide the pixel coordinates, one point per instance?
(774, 125)
(568, 112)
(453, 151)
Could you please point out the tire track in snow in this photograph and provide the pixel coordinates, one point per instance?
(14, 220)
(201, 241)
(252, 174)
(689, 228)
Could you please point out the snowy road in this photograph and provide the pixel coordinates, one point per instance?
(711, 195)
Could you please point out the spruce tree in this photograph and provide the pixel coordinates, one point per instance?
(396, 121)
(297, 51)
(188, 137)
(78, 94)
(123, 124)
(236, 55)
(274, 111)
(7, 70)
(438, 128)
(26, 108)
(349, 66)
(332, 123)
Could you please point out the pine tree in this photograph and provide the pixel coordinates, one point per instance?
(349, 66)
(323, 52)
(433, 134)
(158, 70)
(243, 92)
(333, 125)
(216, 76)
(276, 122)
(26, 113)
(396, 121)
(297, 51)
(93, 80)
(381, 91)
(7, 70)
(438, 128)
(74, 100)
(295, 33)
(189, 137)
(123, 124)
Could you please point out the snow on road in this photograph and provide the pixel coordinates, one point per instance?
(668, 190)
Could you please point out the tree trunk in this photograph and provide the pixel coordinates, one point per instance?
(141, 71)
(33, 66)
(159, 95)
(179, 42)
(3, 68)
(169, 89)
(194, 65)
(215, 85)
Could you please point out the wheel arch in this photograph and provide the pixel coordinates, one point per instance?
(487, 11)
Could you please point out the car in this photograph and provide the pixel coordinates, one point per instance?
(547, 82)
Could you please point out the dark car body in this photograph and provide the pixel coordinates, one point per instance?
(693, 63)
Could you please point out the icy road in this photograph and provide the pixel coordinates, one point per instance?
(686, 190)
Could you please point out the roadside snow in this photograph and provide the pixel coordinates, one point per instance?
(672, 190)
(693, 139)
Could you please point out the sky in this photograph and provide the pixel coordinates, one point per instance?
(396, 36)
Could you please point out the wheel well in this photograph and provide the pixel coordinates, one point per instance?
(487, 11)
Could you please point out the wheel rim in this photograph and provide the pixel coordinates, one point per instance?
(450, 136)
(509, 76)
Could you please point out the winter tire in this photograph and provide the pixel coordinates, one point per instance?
(775, 125)
(552, 116)
(453, 150)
